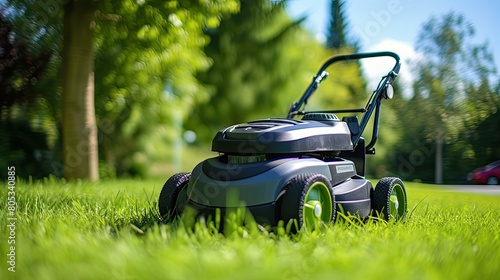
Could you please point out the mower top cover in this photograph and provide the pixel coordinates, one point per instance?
(315, 132)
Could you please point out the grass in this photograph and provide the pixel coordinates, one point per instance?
(110, 230)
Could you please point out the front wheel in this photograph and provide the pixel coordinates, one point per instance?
(173, 196)
(308, 202)
(492, 181)
(389, 199)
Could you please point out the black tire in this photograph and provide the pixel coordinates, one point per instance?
(389, 199)
(298, 198)
(173, 196)
(492, 181)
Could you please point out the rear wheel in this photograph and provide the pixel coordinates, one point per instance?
(389, 199)
(173, 196)
(308, 202)
(492, 181)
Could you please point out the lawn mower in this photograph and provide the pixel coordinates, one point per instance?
(299, 171)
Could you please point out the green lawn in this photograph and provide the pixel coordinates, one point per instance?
(110, 230)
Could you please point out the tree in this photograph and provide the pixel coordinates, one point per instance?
(145, 76)
(79, 124)
(262, 62)
(140, 51)
(451, 90)
(21, 142)
(38, 22)
(336, 32)
(254, 55)
(480, 137)
(21, 69)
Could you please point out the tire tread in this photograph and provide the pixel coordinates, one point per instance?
(296, 190)
(169, 193)
(382, 194)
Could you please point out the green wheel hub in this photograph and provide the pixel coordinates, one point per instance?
(389, 199)
(397, 202)
(318, 205)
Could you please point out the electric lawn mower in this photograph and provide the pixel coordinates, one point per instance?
(296, 170)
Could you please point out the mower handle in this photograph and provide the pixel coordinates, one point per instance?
(357, 56)
(322, 74)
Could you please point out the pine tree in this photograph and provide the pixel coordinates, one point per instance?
(336, 32)
(254, 62)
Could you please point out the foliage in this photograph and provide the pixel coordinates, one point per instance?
(454, 75)
(22, 143)
(336, 33)
(253, 53)
(262, 63)
(20, 71)
(146, 57)
(477, 145)
(162, 67)
(36, 28)
(345, 86)
(452, 93)
(146, 54)
(110, 230)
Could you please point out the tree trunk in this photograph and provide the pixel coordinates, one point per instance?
(439, 161)
(80, 158)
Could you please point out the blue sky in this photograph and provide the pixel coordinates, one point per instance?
(395, 24)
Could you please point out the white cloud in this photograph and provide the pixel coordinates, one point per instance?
(375, 68)
(320, 37)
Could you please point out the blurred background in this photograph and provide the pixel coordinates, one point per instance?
(167, 75)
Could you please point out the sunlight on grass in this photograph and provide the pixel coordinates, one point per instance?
(111, 230)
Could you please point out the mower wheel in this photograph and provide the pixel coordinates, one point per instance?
(308, 202)
(389, 199)
(173, 196)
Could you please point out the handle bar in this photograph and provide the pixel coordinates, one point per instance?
(322, 74)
